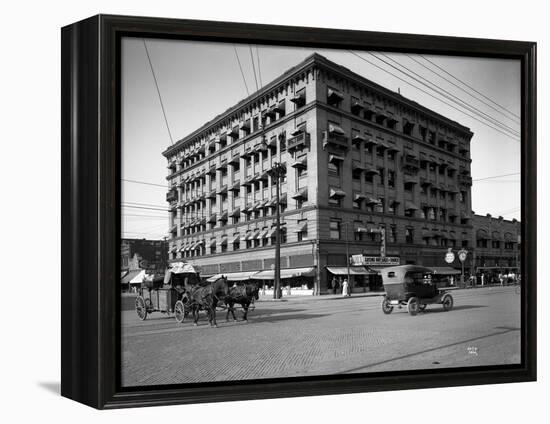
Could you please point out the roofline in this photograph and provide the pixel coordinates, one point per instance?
(315, 59)
(511, 221)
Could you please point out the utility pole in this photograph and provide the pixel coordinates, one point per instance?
(277, 171)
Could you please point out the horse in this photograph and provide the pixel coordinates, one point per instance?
(207, 298)
(243, 295)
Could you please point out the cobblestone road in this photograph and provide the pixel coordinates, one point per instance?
(317, 336)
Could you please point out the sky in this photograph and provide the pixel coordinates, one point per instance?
(199, 80)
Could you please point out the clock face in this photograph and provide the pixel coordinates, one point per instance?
(462, 256)
(449, 257)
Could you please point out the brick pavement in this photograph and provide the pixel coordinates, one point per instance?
(301, 337)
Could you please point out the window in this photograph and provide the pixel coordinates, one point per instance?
(391, 179)
(282, 109)
(496, 244)
(464, 243)
(300, 98)
(334, 168)
(334, 98)
(237, 244)
(335, 230)
(409, 236)
(380, 206)
(393, 234)
(381, 174)
(462, 197)
(369, 177)
(380, 151)
(391, 155)
(302, 235)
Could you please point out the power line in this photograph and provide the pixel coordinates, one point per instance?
(241, 68)
(445, 93)
(470, 87)
(144, 207)
(144, 183)
(496, 176)
(259, 66)
(158, 91)
(253, 66)
(436, 98)
(145, 204)
(462, 89)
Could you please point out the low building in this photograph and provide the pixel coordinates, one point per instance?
(497, 246)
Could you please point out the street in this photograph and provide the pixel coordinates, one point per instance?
(323, 335)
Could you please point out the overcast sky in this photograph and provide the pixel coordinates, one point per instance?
(199, 80)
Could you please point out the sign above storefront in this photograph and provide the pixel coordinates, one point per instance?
(375, 260)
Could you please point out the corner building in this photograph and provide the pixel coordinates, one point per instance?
(358, 157)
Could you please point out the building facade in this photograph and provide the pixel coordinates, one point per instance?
(134, 251)
(358, 156)
(497, 245)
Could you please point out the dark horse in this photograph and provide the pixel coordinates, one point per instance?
(243, 295)
(207, 298)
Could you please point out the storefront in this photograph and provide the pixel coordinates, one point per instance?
(294, 281)
(362, 279)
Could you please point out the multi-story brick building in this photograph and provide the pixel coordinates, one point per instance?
(497, 245)
(358, 157)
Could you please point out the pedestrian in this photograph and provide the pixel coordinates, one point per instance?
(501, 278)
(333, 284)
(345, 288)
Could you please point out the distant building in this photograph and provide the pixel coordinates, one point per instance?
(358, 157)
(134, 251)
(497, 245)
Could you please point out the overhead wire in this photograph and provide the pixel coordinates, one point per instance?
(158, 91)
(462, 89)
(241, 68)
(431, 95)
(445, 93)
(471, 88)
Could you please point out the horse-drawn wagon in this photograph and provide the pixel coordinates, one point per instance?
(165, 293)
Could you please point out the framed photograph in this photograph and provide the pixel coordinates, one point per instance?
(255, 211)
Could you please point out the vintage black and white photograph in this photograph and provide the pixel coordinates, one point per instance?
(299, 212)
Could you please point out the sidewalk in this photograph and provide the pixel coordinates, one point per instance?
(310, 298)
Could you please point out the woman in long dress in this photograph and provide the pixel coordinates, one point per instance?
(345, 288)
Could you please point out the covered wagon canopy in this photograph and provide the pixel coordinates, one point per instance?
(179, 268)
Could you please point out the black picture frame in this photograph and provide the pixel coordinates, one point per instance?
(90, 178)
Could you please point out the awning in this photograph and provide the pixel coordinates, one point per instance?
(300, 162)
(358, 139)
(301, 194)
(371, 170)
(427, 234)
(236, 238)
(359, 197)
(223, 216)
(212, 242)
(372, 201)
(297, 131)
(444, 270)
(335, 94)
(336, 193)
(452, 235)
(130, 276)
(353, 270)
(410, 180)
(335, 158)
(138, 279)
(222, 190)
(236, 186)
(235, 212)
(264, 233)
(285, 273)
(248, 235)
(223, 242)
(240, 276)
(410, 206)
(358, 167)
(212, 218)
(301, 228)
(335, 129)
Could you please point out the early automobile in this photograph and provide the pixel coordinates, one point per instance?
(167, 294)
(413, 287)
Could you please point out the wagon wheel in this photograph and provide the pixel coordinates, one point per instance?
(148, 304)
(412, 306)
(447, 302)
(141, 309)
(179, 311)
(387, 308)
(422, 307)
